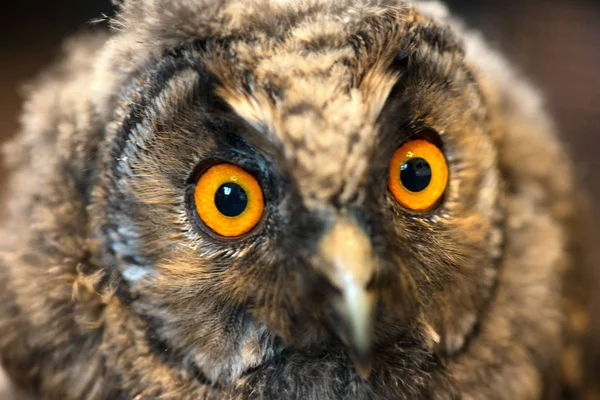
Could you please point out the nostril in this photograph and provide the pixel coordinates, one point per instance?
(371, 283)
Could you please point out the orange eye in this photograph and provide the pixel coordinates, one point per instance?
(418, 175)
(228, 200)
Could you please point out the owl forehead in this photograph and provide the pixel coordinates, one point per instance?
(311, 75)
(318, 105)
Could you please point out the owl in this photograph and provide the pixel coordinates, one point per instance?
(302, 199)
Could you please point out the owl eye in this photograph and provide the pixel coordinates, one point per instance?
(228, 200)
(418, 175)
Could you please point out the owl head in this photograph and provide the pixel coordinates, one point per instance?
(303, 177)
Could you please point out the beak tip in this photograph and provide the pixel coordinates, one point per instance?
(363, 366)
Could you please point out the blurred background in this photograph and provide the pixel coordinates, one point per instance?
(555, 43)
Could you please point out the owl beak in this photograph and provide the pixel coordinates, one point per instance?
(349, 266)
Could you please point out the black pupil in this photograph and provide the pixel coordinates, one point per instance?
(415, 174)
(231, 199)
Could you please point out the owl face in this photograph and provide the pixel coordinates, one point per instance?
(332, 184)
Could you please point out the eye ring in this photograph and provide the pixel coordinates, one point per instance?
(228, 200)
(418, 175)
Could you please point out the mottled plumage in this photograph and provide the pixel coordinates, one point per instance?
(109, 288)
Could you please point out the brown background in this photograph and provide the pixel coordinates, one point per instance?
(554, 42)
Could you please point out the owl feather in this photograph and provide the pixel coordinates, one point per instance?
(112, 287)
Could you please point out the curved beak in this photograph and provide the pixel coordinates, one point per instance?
(349, 266)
